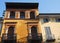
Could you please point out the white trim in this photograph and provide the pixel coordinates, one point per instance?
(6, 30)
(8, 14)
(30, 32)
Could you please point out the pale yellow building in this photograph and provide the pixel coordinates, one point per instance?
(21, 23)
(50, 26)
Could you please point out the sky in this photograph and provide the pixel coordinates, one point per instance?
(45, 6)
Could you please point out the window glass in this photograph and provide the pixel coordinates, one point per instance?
(32, 15)
(22, 15)
(0, 26)
(57, 19)
(46, 20)
(48, 33)
(12, 14)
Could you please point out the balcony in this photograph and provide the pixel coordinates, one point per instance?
(50, 38)
(8, 37)
(36, 37)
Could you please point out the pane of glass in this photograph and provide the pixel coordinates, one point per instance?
(12, 14)
(0, 26)
(57, 19)
(32, 15)
(46, 20)
(22, 15)
(48, 33)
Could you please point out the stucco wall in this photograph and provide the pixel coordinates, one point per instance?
(20, 28)
(54, 27)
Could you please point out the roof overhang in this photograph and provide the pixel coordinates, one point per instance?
(16, 5)
(49, 15)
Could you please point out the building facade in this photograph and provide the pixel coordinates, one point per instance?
(1, 24)
(21, 23)
(50, 26)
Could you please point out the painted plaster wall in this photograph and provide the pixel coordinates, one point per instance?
(54, 27)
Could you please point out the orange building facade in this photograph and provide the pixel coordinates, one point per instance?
(21, 23)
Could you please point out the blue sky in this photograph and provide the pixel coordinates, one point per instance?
(45, 6)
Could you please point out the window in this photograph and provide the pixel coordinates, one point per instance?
(48, 33)
(57, 19)
(22, 15)
(47, 30)
(32, 15)
(46, 20)
(12, 14)
(0, 28)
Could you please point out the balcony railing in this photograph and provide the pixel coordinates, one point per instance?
(50, 38)
(8, 37)
(35, 37)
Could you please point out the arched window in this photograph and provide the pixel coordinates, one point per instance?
(46, 20)
(32, 15)
(11, 34)
(22, 15)
(12, 14)
(57, 19)
(34, 31)
(11, 30)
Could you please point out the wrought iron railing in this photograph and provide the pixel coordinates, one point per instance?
(38, 36)
(8, 37)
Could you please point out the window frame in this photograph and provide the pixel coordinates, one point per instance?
(34, 15)
(21, 15)
(48, 32)
(14, 15)
(46, 20)
(57, 19)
